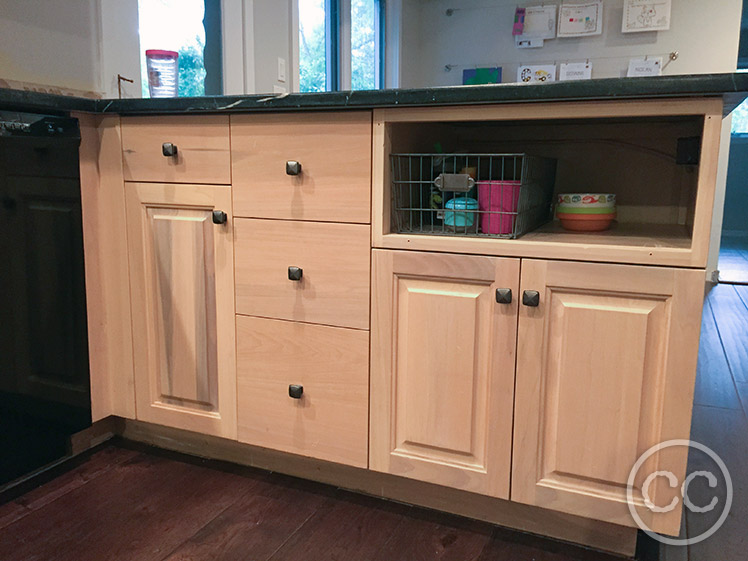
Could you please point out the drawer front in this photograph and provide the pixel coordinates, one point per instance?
(329, 420)
(203, 151)
(334, 262)
(334, 150)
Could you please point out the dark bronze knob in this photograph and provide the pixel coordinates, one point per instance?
(295, 273)
(169, 150)
(219, 217)
(295, 391)
(293, 167)
(531, 298)
(504, 295)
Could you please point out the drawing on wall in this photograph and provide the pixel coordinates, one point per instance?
(476, 76)
(580, 19)
(531, 73)
(540, 22)
(646, 15)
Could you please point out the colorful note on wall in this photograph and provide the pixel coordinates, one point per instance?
(646, 15)
(476, 76)
(519, 21)
(579, 19)
(530, 73)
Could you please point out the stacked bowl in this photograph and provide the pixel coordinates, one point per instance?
(586, 212)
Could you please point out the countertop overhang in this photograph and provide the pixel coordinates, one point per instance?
(732, 87)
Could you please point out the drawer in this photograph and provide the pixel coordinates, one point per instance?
(334, 258)
(330, 419)
(203, 149)
(334, 150)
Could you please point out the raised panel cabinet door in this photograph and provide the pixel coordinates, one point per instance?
(606, 364)
(442, 369)
(328, 177)
(182, 284)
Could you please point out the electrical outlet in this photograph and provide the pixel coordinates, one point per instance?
(281, 69)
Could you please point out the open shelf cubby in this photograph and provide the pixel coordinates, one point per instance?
(652, 163)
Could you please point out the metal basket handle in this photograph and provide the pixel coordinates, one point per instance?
(457, 182)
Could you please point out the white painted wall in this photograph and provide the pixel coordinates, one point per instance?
(51, 43)
(479, 34)
(120, 47)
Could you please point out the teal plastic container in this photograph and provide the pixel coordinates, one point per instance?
(460, 216)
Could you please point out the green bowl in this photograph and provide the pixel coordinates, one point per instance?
(585, 210)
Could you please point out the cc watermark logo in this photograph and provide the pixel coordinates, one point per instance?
(711, 479)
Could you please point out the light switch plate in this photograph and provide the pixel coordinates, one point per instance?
(281, 69)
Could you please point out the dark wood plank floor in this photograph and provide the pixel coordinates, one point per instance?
(130, 502)
(134, 503)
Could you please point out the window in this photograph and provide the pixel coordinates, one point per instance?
(184, 26)
(328, 61)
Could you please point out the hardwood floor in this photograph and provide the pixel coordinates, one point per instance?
(733, 259)
(134, 503)
(126, 501)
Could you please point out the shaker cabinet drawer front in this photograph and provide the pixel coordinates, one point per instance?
(302, 166)
(191, 149)
(303, 271)
(303, 389)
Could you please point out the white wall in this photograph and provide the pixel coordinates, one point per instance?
(50, 43)
(120, 47)
(479, 34)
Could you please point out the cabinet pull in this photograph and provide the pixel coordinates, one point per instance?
(503, 295)
(295, 391)
(295, 273)
(169, 150)
(531, 298)
(293, 167)
(219, 217)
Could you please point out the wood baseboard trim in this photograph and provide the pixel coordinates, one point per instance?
(602, 536)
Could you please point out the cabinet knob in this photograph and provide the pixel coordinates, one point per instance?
(219, 217)
(169, 150)
(293, 167)
(531, 298)
(295, 273)
(504, 295)
(295, 391)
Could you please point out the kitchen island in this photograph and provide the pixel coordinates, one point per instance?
(258, 291)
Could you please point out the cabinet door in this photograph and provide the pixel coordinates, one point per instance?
(181, 267)
(605, 369)
(442, 377)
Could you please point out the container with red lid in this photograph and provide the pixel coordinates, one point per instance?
(163, 72)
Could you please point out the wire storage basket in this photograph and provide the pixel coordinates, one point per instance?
(483, 195)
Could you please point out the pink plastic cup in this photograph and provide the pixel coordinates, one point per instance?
(496, 199)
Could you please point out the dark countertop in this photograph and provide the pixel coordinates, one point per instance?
(732, 87)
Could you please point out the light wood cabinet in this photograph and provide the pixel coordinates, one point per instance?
(182, 290)
(605, 370)
(333, 150)
(442, 378)
(328, 415)
(203, 151)
(333, 262)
